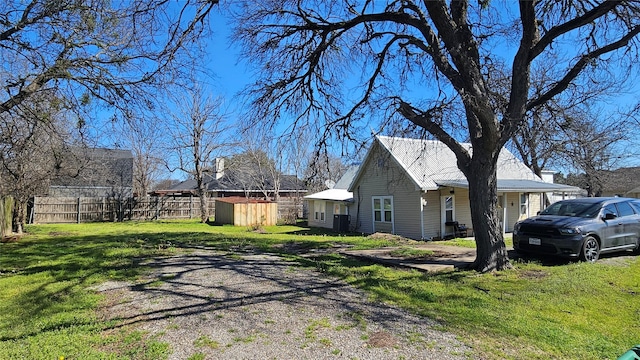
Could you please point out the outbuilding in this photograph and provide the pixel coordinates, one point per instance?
(240, 211)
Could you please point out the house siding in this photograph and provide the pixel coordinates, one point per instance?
(513, 210)
(535, 204)
(463, 208)
(431, 214)
(328, 215)
(433, 211)
(381, 176)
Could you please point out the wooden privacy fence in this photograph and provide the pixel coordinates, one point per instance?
(95, 209)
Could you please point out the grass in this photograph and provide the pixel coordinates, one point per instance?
(205, 341)
(412, 253)
(538, 310)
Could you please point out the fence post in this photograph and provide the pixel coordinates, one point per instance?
(33, 211)
(78, 219)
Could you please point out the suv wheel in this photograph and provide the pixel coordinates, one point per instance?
(590, 249)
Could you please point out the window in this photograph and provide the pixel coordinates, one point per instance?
(524, 204)
(610, 209)
(319, 210)
(383, 208)
(624, 209)
(448, 208)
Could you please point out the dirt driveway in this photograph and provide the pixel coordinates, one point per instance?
(261, 307)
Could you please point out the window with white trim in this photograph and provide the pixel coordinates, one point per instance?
(448, 208)
(319, 210)
(383, 208)
(524, 204)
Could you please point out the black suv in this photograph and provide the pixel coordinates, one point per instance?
(581, 228)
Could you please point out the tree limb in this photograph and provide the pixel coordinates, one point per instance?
(584, 60)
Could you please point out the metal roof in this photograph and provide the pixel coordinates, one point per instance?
(347, 177)
(332, 195)
(431, 165)
(515, 185)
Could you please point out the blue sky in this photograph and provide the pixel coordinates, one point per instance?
(231, 75)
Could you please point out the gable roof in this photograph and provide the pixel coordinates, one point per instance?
(95, 167)
(232, 181)
(430, 164)
(346, 178)
(621, 181)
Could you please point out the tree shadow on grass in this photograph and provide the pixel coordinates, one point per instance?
(65, 265)
(207, 285)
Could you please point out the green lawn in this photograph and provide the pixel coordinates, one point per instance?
(536, 311)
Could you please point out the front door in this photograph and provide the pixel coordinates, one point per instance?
(448, 213)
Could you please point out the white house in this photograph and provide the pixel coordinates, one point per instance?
(414, 188)
(324, 205)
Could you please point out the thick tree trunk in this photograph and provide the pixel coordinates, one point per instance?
(19, 216)
(483, 195)
(204, 210)
(6, 217)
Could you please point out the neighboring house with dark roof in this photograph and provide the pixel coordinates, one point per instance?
(94, 172)
(221, 183)
(232, 184)
(624, 182)
(414, 188)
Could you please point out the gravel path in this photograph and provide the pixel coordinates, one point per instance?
(261, 307)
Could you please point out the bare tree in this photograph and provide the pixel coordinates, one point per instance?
(542, 138)
(255, 170)
(6, 208)
(297, 150)
(591, 148)
(323, 170)
(417, 60)
(164, 184)
(119, 52)
(33, 143)
(144, 138)
(197, 136)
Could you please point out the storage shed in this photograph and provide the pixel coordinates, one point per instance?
(241, 211)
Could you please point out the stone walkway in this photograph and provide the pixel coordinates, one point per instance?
(445, 258)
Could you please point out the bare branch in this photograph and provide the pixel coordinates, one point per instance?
(582, 63)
